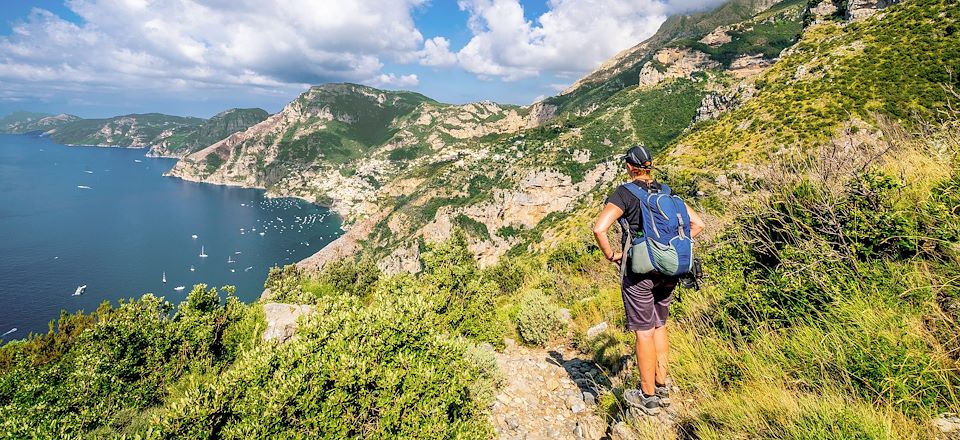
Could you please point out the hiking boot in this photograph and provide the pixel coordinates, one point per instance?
(663, 393)
(650, 405)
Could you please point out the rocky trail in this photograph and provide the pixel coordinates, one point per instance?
(555, 393)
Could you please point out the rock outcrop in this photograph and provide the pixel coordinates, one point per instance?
(283, 320)
(674, 63)
(716, 103)
(862, 9)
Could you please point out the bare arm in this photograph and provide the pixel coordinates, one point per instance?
(607, 218)
(696, 223)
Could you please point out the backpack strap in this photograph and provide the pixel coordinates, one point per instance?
(642, 195)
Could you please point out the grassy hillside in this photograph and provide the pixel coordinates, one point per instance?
(897, 68)
(28, 122)
(606, 82)
(187, 140)
(139, 130)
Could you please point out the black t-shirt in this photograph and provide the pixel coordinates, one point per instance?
(630, 204)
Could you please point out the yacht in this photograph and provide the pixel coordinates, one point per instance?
(179, 288)
(164, 279)
(80, 290)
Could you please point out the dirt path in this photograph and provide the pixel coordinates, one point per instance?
(553, 393)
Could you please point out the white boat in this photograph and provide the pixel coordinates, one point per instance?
(202, 253)
(233, 270)
(88, 171)
(83, 187)
(230, 260)
(179, 288)
(237, 253)
(248, 269)
(80, 290)
(191, 268)
(137, 160)
(164, 279)
(194, 236)
(262, 234)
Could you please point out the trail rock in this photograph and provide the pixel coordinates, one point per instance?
(948, 424)
(621, 431)
(540, 399)
(592, 332)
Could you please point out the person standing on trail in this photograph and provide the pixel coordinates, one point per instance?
(648, 282)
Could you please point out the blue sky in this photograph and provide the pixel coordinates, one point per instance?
(98, 58)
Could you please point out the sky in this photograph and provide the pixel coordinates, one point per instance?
(100, 58)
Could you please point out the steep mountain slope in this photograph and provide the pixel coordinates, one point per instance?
(835, 84)
(622, 70)
(340, 143)
(221, 125)
(27, 122)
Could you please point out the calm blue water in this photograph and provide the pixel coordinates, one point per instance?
(131, 226)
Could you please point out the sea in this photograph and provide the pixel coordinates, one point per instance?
(107, 219)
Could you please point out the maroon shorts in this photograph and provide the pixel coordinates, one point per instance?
(646, 300)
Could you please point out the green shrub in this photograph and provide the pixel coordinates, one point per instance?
(538, 319)
(384, 371)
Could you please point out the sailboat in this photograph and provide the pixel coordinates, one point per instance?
(230, 260)
(164, 278)
(202, 253)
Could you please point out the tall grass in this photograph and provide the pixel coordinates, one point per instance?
(825, 312)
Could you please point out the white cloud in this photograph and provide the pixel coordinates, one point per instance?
(393, 81)
(436, 52)
(216, 44)
(571, 38)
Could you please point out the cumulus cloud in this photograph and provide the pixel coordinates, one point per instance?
(190, 44)
(571, 38)
(392, 80)
(436, 52)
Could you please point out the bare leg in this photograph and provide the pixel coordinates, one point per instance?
(646, 360)
(663, 353)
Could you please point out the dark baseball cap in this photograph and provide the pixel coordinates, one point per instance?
(638, 156)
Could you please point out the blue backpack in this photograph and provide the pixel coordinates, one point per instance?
(664, 244)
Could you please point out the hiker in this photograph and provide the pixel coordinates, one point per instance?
(646, 293)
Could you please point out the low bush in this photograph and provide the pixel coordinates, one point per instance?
(538, 319)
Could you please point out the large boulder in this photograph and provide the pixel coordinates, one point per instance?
(282, 320)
